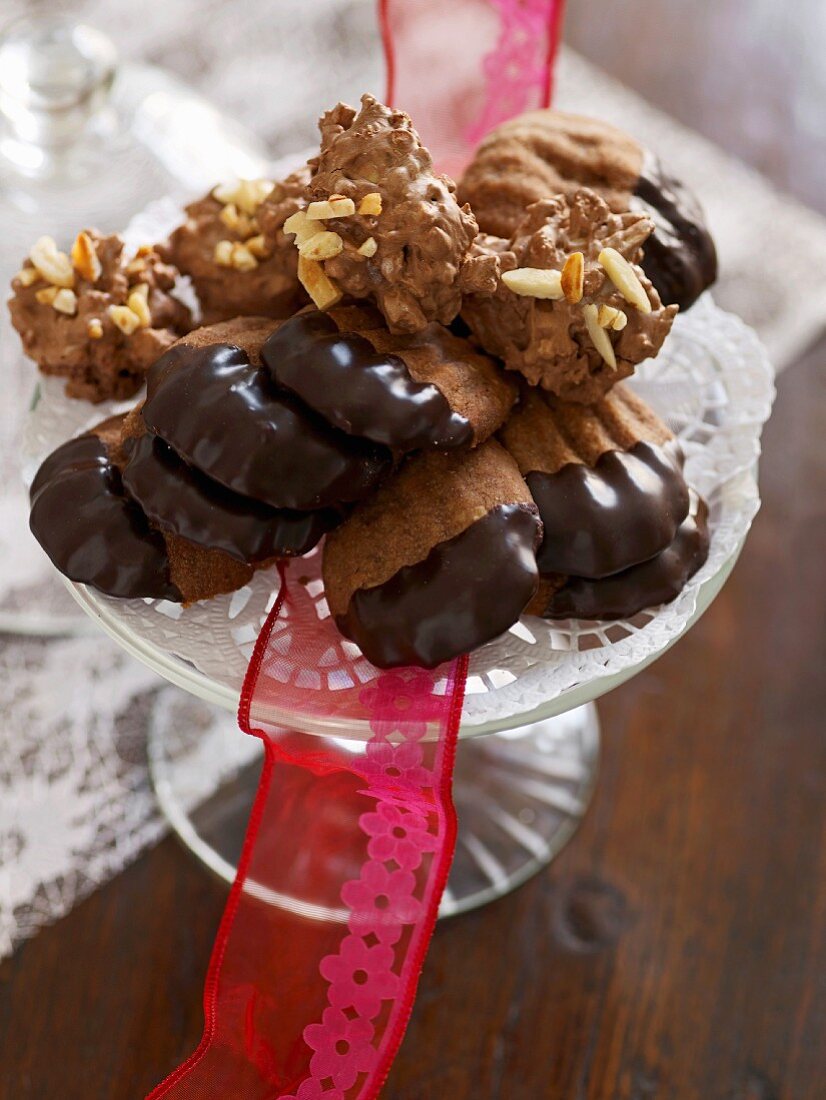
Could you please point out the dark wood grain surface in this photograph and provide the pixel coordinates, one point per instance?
(675, 950)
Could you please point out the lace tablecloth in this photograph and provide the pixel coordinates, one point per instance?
(75, 800)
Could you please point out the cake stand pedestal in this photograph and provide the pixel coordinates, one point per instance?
(521, 785)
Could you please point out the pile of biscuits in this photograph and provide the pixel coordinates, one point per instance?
(427, 377)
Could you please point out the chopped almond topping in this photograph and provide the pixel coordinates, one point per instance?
(138, 302)
(65, 301)
(370, 205)
(55, 267)
(321, 289)
(258, 247)
(300, 226)
(223, 253)
(125, 319)
(337, 206)
(573, 278)
(625, 279)
(85, 258)
(321, 246)
(94, 329)
(28, 276)
(46, 295)
(369, 248)
(534, 282)
(599, 336)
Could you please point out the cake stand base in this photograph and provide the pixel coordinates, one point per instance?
(519, 795)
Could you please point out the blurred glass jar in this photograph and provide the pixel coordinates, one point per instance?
(84, 141)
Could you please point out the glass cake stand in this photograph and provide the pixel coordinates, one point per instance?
(529, 738)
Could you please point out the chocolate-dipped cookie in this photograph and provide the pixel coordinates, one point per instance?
(96, 317)
(573, 311)
(622, 595)
(233, 248)
(90, 529)
(544, 153)
(438, 561)
(607, 479)
(217, 407)
(407, 392)
(381, 224)
(180, 500)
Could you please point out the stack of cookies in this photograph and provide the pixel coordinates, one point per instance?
(433, 385)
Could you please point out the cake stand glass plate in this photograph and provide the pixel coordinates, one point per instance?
(521, 789)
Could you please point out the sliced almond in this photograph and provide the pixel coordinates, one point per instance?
(369, 248)
(138, 302)
(625, 279)
(606, 316)
(223, 253)
(572, 278)
(125, 319)
(337, 206)
(65, 301)
(370, 205)
(28, 276)
(322, 246)
(321, 289)
(300, 226)
(94, 329)
(599, 336)
(46, 295)
(55, 267)
(85, 258)
(534, 282)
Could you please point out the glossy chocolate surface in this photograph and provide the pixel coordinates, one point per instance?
(185, 502)
(225, 416)
(359, 390)
(466, 591)
(679, 258)
(602, 519)
(90, 529)
(650, 584)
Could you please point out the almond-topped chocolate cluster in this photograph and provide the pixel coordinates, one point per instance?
(442, 404)
(94, 316)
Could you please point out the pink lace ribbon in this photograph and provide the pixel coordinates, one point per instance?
(347, 853)
(460, 67)
(349, 843)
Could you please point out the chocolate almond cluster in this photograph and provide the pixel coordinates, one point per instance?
(443, 406)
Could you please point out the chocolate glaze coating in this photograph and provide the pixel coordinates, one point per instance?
(181, 500)
(602, 519)
(359, 390)
(654, 582)
(466, 591)
(224, 416)
(90, 529)
(679, 258)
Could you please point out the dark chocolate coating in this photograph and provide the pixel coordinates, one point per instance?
(186, 502)
(90, 529)
(649, 584)
(224, 416)
(602, 519)
(359, 390)
(679, 257)
(466, 591)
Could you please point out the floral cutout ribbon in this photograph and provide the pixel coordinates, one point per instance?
(349, 843)
(347, 853)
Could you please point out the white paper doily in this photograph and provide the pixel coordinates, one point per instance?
(712, 382)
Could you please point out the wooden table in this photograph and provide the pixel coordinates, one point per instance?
(675, 950)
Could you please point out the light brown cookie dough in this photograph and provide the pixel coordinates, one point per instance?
(573, 312)
(544, 153)
(607, 479)
(95, 317)
(438, 561)
(382, 225)
(233, 249)
(432, 389)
